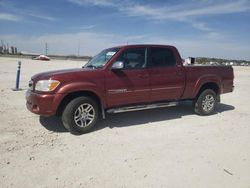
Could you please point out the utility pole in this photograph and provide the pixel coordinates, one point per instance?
(7, 48)
(46, 48)
(78, 49)
(2, 47)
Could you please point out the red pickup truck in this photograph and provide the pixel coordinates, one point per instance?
(126, 78)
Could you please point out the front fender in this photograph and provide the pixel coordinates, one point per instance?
(83, 86)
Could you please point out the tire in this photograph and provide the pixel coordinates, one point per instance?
(206, 102)
(80, 115)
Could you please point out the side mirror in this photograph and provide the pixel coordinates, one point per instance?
(117, 65)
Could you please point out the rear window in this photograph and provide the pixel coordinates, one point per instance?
(161, 57)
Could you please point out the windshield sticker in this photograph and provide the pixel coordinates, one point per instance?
(111, 53)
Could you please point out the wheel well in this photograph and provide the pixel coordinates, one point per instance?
(74, 95)
(210, 85)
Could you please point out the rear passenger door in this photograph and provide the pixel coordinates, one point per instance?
(167, 80)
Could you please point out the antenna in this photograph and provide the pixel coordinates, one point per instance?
(46, 48)
(78, 49)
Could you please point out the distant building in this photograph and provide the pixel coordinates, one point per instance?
(189, 61)
(12, 50)
(5, 49)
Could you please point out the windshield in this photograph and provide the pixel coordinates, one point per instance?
(102, 58)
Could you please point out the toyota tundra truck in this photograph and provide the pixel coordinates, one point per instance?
(126, 78)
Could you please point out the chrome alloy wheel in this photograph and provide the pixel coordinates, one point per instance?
(84, 115)
(208, 103)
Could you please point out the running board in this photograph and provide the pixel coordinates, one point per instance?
(141, 107)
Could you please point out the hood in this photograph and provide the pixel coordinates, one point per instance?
(57, 74)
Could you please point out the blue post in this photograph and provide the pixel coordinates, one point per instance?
(18, 76)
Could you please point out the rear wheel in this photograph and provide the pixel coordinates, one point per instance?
(206, 102)
(80, 115)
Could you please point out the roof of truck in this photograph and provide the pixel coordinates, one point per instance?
(143, 45)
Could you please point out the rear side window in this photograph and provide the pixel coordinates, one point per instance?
(133, 58)
(161, 57)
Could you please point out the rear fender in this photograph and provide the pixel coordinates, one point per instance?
(205, 80)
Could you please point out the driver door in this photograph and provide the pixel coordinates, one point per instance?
(129, 85)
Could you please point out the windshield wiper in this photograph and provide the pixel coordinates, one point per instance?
(90, 66)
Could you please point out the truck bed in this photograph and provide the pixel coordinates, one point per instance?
(196, 75)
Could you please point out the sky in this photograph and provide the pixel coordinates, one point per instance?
(198, 28)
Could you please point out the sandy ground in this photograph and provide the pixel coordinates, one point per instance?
(169, 147)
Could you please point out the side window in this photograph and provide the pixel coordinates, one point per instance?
(161, 57)
(133, 58)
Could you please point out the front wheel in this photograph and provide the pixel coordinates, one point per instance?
(206, 102)
(80, 115)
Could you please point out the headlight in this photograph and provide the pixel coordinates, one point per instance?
(46, 85)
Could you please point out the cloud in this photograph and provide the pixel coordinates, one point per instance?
(9, 17)
(29, 11)
(38, 15)
(200, 25)
(105, 3)
(67, 43)
(190, 13)
(176, 12)
(213, 35)
(84, 27)
(206, 47)
(92, 42)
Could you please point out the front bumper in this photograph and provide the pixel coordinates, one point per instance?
(43, 104)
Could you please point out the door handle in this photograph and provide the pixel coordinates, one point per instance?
(178, 73)
(144, 76)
